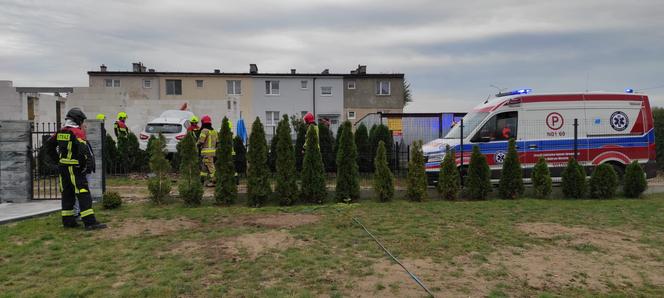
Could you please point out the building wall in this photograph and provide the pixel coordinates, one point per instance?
(11, 103)
(364, 95)
(132, 85)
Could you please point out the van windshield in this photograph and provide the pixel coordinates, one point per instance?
(470, 122)
(163, 128)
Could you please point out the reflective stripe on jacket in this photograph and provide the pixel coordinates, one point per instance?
(208, 139)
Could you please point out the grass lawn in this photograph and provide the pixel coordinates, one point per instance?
(492, 248)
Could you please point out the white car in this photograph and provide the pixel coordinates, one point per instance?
(172, 124)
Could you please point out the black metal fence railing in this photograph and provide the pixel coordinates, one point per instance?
(45, 179)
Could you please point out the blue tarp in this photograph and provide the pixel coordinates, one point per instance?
(241, 130)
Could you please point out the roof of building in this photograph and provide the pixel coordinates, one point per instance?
(235, 74)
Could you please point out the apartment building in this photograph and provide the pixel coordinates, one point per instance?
(366, 94)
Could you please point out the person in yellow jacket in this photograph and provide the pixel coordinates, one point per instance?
(120, 126)
(207, 141)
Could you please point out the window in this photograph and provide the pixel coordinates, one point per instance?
(383, 88)
(233, 87)
(229, 104)
(271, 87)
(351, 84)
(500, 127)
(304, 84)
(173, 87)
(326, 91)
(199, 83)
(351, 115)
(147, 84)
(112, 83)
(271, 118)
(163, 128)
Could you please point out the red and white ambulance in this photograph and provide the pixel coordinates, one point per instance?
(613, 128)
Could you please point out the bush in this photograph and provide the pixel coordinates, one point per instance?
(240, 157)
(382, 133)
(111, 200)
(574, 180)
(190, 185)
(301, 130)
(110, 155)
(348, 176)
(603, 182)
(541, 179)
(340, 131)
(364, 149)
(417, 179)
(137, 159)
(449, 180)
(258, 188)
(123, 161)
(286, 187)
(511, 178)
(383, 178)
(225, 191)
(326, 140)
(635, 180)
(479, 176)
(313, 179)
(272, 154)
(658, 116)
(159, 185)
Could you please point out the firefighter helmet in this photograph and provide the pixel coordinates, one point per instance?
(76, 115)
(101, 117)
(308, 118)
(122, 116)
(206, 119)
(193, 119)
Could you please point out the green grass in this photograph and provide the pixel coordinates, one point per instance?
(39, 258)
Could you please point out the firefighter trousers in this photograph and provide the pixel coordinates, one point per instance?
(74, 185)
(207, 167)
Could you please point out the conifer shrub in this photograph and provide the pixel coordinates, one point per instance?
(111, 200)
(327, 142)
(301, 130)
(574, 180)
(160, 184)
(124, 159)
(240, 157)
(382, 133)
(338, 139)
(348, 176)
(417, 179)
(190, 186)
(138, 159)
(313, 178)
(286, 186)
(478, 183)
(449, 180)
(541, 179)
(258, 174)
(364, 149)
(603, 182)
(225, 191)
(511, 178)
(635, 182)
(272, 154)
(383, 178)
(110, 155)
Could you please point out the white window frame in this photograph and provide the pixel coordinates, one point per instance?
(304, 84)
(379, 89)
(349, 115)
(233, 87)
(272, 121)
(202, 83)
(148, 85)
(271, 88)
(353, 86)
(325, 94)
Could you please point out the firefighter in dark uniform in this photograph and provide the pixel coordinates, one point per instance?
(70, 148)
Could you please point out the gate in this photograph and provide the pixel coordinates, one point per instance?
(45, 179)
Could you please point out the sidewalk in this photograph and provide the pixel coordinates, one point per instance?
(10, 212)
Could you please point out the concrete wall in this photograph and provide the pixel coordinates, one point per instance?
(93, 132)
(11, 104)
(15, 175)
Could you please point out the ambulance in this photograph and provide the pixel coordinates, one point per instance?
(613, 128)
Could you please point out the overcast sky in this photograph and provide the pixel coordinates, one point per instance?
(450, 51)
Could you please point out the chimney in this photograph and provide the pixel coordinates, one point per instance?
(362, 69)
(292, 70)
(151, 70)
(102, 68)
(136, 67)
(326, 71)
(217, 71)
(143, 68)
(253, 68)
(353, 72)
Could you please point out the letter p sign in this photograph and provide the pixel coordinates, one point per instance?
(554, 121)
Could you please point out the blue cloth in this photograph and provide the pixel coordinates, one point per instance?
(241, 130)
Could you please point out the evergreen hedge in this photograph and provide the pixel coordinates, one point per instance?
(634, 180)
(272, 154)
(190, 185)
(286, 187)
(301, 130)
(159, 185)
(364, 149)
(511, 178)
(348, 180)
(383, 179)
(382, 133)
(313, 179)
(258, 175)
(225, 191)
(417, 179)
(449, 180)
(541, 179)
(603, 182)
(326, 140)
(478, 183)
(574, 180)
(110, 155)
(240, 158)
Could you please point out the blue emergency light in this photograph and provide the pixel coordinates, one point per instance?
(514, 92)
(629, 90)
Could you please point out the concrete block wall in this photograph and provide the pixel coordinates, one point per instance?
(15, 157)
(94, 134)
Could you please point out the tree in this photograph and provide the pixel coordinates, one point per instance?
(258, 188)
(313, 179)
(326, 140)
(603, 182)
(240, 157)
(407, 96)
(382, 133)
(110, 154)
(124, 161)
(301, 130)
(137, 157)
(159, 185)
(383, 178)
(417, 178)
(511, 178)
(541, 179)
(225, 191)
(340, 131)
(190, 186)
(348, 176)
(658, 116)
(635, 180)
(272, 155)
(364, 149)
(574, 180)
(449, 180)
(479, 176)
(286, 186)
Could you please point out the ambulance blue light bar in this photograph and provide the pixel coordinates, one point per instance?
(514, 92)
(629, 90)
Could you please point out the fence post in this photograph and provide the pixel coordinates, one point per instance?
(576, 137)
(103, 160)
(461, 149)
(440, 125)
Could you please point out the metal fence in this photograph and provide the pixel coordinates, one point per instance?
(45, 179)
(410, 127)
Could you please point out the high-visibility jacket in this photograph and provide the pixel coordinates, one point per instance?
(208, 140)
(195, 129)
(120, 128)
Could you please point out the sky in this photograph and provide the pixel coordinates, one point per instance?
(454, 54)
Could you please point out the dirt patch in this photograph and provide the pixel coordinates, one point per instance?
(150, 227)
(281, 220)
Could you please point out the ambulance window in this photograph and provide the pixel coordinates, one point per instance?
(500, 127)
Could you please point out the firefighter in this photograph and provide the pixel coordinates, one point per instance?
(207, 142)
(193, 127)
(120, 126)
(309, 120)
(101, 117)
(70, 148)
